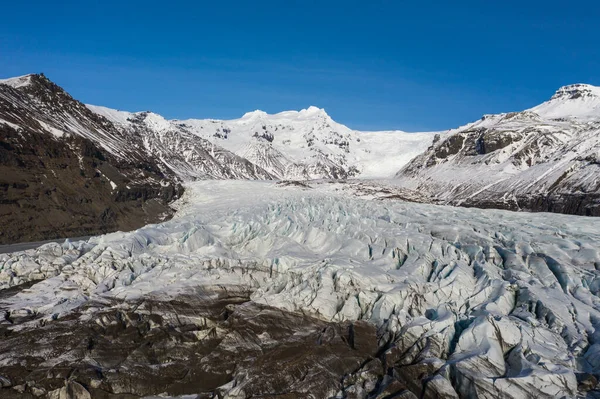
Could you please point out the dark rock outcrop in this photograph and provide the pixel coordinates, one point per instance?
(69, 188)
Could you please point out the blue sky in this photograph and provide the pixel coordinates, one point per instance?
(411, 65)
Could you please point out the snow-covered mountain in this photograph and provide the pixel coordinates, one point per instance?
(304, 144)
(147, 137)
(546, 158)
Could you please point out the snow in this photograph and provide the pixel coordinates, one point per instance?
(113, 185)
(579, 101)
(382, 154)
(157, 123)
(548, 150)
(303, 144)
(254, 114)
(51, 129)
(303, 114)
(17, 82)
(522, 287)
(120, 117)
(10, 124)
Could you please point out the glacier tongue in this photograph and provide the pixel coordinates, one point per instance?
(468, 302)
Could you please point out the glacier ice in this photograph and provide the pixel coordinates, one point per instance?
(486, 303)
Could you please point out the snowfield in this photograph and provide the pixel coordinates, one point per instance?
(489, 303)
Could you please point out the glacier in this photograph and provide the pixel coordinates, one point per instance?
(466, 302)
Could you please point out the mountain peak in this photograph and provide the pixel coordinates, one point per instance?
(313, 111)
(254, 114)
(575, 91)
(35, 84)
(578, 101)
(310, 112)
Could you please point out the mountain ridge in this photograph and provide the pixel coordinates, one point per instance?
(545, 158)
(305, 144)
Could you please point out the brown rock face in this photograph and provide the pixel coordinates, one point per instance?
(62, 188)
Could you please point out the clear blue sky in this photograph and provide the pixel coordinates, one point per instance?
(412, 65)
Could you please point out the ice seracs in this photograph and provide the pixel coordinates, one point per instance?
(460, 302)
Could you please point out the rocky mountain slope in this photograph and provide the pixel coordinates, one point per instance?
(57, 181)
(546, 158)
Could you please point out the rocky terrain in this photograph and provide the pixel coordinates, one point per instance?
(544, 159)
(208, 342)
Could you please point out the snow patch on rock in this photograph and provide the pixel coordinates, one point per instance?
(17, 82)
